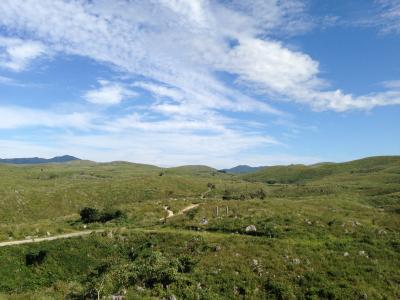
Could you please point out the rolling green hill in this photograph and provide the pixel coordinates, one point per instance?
(191, 170)
(302, 173)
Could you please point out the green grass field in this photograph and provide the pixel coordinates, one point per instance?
(326, 231)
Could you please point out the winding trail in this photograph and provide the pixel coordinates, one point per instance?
(170, 213)
(50, 238)
(205, 193)
(191, 206)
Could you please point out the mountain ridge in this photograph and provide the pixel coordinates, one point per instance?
(243, 169)
(38, 160)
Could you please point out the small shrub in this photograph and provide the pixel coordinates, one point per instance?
(260, 194)
(278, 290)
(211, 186)
(186, 264)
(91, 215)
(227, 195)
(192, 213)
(152, 268)
(35, 258)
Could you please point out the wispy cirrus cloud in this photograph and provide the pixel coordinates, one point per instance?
(7, 80)
(160, 90)
(388, 18)
(391, 84)
(142, 38)
(384, 15)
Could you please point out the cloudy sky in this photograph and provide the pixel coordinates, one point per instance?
(216, 82)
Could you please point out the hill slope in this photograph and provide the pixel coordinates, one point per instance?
(191, 170)
(302, 173)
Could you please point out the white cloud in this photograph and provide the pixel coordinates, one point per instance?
(12, 117)
(16, 54)
(109, 93)
(269, 64)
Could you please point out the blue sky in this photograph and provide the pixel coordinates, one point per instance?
(221, 83)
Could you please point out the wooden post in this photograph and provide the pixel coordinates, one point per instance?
(227, 210)
(217, 210)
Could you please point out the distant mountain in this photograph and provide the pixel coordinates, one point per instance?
(38, 160)
(242, 169)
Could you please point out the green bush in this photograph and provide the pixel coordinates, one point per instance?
(186, 264)
(260, 194)
(91, 215)
(35, 258)
(278, 290)
(152, 268)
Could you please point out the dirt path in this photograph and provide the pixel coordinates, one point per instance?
(170, 213)
(50, 238)
(187, 208)
(206, 192)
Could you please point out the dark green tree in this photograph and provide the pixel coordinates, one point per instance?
(89, 215)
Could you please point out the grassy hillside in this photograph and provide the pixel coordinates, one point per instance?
(334, 235)
(192, 170)
(302, 173)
